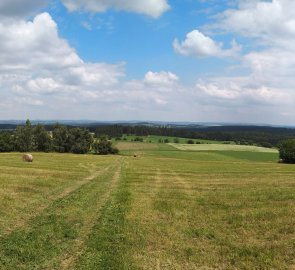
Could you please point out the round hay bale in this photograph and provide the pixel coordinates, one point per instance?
(27, 158)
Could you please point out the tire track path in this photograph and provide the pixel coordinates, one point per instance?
(68, 259)
(55, 236)
(38, 208)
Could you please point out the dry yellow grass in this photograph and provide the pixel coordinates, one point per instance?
(222, 147)
(136, 146)
(164, 210)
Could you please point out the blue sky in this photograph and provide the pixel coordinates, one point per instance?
(142, 42)
(171, 60)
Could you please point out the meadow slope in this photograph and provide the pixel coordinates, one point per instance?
(223, 147)
(166, 209)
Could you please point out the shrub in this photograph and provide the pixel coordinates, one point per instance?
(6, 142)
(60, 139)
(138, 139)
(176, 140)
(104, 147)
(24, 137)
(266, 144)
(41, 138)
(190, 142)
(79, 141)
(287, 151)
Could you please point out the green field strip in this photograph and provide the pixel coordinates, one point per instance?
(221, 225)
(107, 247)
(56, 230)
(152, 215)
(69, 258)
(45, 192)
(222, 147)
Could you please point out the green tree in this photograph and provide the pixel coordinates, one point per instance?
(138, 139)
(287, 151)
(42, 139)
(80, 141)
(266, 144)
(176, 140)
(103, 146)
(24, 137)
(60, 139)
(7, 143)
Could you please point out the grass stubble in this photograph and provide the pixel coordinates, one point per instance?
(167, 209)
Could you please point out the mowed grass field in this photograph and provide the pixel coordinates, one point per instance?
(222, 147)
(165, 209)
(155, 139)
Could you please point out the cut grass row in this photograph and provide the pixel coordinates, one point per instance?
(26, 189)
(166, 209)
(107, 246)
(223, 147)
(224, 215)
(55, 237)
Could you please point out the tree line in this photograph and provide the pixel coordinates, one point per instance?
(245, 135)
(287, 151)
(68, 139)
(61, 139)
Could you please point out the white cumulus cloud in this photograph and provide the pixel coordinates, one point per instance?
(153, 8)
(20, 8)
(241, 90)
(162, 78)
(265, 84)
(199, 45)
(36, 62)
(42, 76)
(271, 22)
(46, 78)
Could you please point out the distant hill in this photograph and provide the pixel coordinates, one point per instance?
(202, 126)
(263, 135)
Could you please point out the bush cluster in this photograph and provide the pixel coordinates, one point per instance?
(61, 139)
(287, 151)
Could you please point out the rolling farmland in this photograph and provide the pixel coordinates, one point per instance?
(166, 209)
(222, 147)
